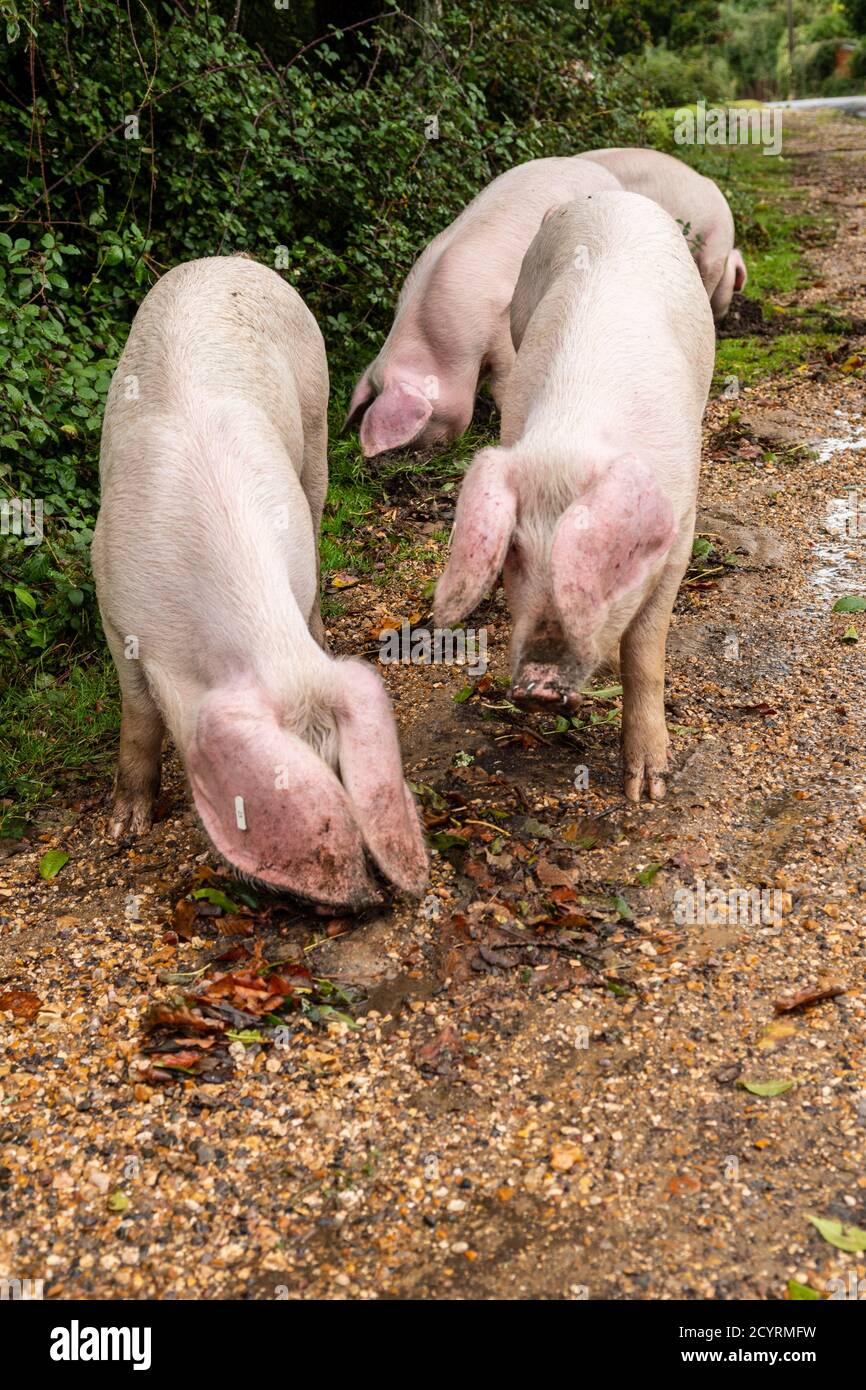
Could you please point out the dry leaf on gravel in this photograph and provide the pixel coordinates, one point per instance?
(553, 877)
(253, 998)
(441, 1053)
(806, 997)
(21, 1003)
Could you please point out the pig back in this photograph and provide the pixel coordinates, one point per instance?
(204, 547)
(616, 329)
(459, 289)
(692, 199)
(217, 329)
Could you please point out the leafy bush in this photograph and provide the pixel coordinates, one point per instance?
(813, 63)
(57, 351)
(832, 25)
(635, 23)
(856, 12)
(153, 136)
(679, 78)
(752, 31)
(841, 86)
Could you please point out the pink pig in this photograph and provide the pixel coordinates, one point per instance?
(693, 200)
(214, 473)
(589, 502)
(451, 328)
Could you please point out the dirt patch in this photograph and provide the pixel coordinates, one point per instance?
(746, 319)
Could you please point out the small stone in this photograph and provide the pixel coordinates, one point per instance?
(564, 1156)
(232, 1253)
(101, 1181)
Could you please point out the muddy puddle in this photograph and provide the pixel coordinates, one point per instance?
(839, 554)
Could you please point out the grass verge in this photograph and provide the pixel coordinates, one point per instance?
(54, 734)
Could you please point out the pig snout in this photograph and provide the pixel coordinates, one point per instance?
(547, 675)
(540, 686)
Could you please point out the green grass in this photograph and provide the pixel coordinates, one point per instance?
(756, 185)
(53, 732)
(346, 512)
(764, 201)
(752, 359)
(357, 486)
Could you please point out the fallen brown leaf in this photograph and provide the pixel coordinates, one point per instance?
(805, 997)
(683, 1184)
(161, 1016)
(440, 1052)
(21, 1003)
(341, 580)
(184, 918)
(551, 876)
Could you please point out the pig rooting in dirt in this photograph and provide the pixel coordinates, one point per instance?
(451, 329)
(214, 473)
(697, 204)
(588, 506)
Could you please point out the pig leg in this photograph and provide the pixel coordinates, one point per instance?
(315, 622)
(501, 360)
(314, 481)
(720, 297)
(642, 660)
(136, 784)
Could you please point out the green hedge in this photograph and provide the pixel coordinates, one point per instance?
(858, 61)
(680, 77)
(814, 63)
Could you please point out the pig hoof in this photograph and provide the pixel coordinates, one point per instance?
(130, 818)
(641, 781)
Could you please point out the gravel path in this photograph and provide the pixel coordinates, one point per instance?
(541, 1095)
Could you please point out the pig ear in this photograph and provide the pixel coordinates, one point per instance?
(362, 395)
(740, 273)
(372, 774)
(396, 417)
(270, 806)
(483, 526)
(608, 542)
(551, 210)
